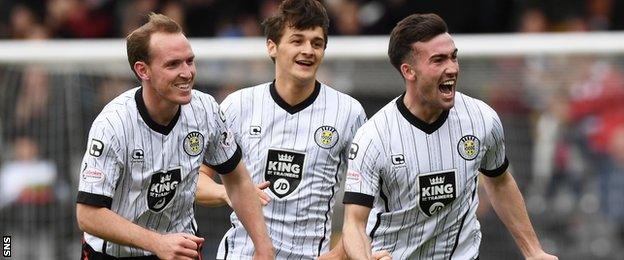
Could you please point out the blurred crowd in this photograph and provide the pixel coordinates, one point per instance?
(80, 19)
(563, 115)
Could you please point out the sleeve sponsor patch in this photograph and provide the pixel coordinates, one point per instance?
(92, 175)
(353, 177)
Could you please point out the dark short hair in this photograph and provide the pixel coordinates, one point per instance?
(414, 28)
(299, 14)
(137, 42)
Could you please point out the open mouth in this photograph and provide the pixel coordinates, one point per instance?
(183, 86)
(447, 87)
(305, 63)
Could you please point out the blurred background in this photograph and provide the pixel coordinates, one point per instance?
(563, 112)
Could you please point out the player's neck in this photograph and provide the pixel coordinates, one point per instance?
(419, 109)
(294, 92)
(160, 111)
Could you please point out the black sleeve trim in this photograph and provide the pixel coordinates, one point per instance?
(229, 165)
(359, 199)
(94, 199)
(496, 172)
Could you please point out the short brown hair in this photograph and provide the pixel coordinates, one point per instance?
(137, 42)
(414, 28)
(299, 14)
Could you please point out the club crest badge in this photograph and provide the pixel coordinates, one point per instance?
(162, 189)
(326, 137)
(284, 169)
(194, 143)
(436, 191)
(469, 147)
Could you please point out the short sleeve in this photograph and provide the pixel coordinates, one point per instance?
(222, 152)
(101, 166)
(362, 180)
(357, 119)
(494, 162)
(232, 112)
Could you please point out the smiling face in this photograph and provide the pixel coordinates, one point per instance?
(171, 71)
(434, 72)
(298, 54)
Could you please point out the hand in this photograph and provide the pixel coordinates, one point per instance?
(542, 256)
(382, 255)
(178, 246)
(264, 198)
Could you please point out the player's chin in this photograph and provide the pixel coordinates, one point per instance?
(446, 105)
(186, 99)
(183, 98)
(306, 76)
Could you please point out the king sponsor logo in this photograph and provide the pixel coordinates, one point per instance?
(284, 169)
(437, 190)
(162, 189)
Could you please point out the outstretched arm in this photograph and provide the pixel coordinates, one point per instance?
(246, 204)
(509, 205)
(106, 224)
(211, 194)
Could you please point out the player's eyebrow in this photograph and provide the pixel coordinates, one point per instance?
(178, 60)
(442, 55)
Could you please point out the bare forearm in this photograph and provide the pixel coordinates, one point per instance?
(209, 193)
(105, 224)
(355, 242)
(246, 204)
(509, 205)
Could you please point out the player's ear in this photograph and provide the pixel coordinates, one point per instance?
(142, 70)
(271, 48)
(408, 72)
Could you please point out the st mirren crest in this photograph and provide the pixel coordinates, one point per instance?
(469, 147)
(326, 136)
(194, 143)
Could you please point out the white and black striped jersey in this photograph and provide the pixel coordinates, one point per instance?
(146, 172)
(303, 151)
(420, 179)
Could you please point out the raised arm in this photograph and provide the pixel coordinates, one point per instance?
(509, 205)
(106, 224)
(246, 204)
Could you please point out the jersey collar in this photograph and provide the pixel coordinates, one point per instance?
(298, 107)
(415, 121)
(163, 129)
